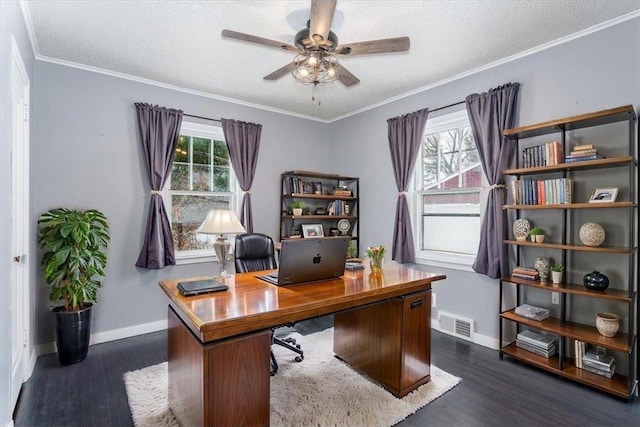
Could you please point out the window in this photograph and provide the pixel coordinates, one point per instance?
(448, 197)
(201, 179)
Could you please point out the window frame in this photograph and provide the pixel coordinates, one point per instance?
(214, 133)
(453, 260)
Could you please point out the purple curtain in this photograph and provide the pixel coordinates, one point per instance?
(159, 129)
(243, 142)
(490, 114)
(405, 134)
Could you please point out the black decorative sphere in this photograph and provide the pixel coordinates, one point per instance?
(596, 281)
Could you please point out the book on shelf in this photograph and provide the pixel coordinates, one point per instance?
(532, 312)
(607, 374)
(525, 276)
(579, 348)
(592, 358)
(538, 339)
(583, 152)
(525, 270)
(583, 147)
(570, 159)
(535, 350)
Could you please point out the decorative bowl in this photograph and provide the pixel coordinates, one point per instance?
(592, 234)
(607, 324)
(595, 281)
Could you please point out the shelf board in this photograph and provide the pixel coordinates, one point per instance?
(618, 385)
(603, 117)
(573, 289)
(575, 331)
(581, 248)
(327, 217)
(604, 205)
(310, 174)
(586, 164)
(318, 196)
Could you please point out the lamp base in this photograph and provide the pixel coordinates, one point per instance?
(221, 246)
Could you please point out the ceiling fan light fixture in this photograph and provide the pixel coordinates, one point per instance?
(316, 68)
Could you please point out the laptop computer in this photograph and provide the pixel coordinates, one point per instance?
(309, 260)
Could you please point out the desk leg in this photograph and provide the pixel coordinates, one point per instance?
(225, 383)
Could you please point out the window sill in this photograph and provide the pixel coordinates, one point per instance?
(447, 260)
(194, 257)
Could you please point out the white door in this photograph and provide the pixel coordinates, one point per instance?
(19, 221)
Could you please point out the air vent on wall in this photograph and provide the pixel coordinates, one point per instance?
(455, 325)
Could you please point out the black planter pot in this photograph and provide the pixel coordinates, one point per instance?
(73, 330)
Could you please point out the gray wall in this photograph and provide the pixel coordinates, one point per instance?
(11, 23)
(595, 72)
(86, 154)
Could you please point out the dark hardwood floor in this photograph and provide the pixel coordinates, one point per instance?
(492, 392)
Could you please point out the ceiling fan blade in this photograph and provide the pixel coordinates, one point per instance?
(321, 17)
(346, 77)
(258, 40)
(280, 72)
(397, 44)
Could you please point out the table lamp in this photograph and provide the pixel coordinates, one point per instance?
(221, 222)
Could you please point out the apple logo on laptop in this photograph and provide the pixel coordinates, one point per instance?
(316, 259)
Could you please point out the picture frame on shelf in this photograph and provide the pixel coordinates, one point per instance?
(603, 195)
(307, 188)
(312, 230)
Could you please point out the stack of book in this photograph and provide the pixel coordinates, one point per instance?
(600, 365)
(581, 153)
(548, 154)
(532, 312)
(537, 343)
(528, 273)
(541, 192)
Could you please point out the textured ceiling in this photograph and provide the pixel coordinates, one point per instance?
(178, 43)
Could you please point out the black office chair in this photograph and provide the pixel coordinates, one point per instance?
(254, 252)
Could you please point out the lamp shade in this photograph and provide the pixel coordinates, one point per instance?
(221, 221)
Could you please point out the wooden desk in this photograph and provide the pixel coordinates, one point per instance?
(219, 344)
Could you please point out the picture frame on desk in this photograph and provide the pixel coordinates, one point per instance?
(312, 231)
(603, 195)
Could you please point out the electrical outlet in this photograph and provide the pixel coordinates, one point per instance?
(433, 299)
(555, 297)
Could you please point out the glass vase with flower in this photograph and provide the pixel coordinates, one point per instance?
(376, 257)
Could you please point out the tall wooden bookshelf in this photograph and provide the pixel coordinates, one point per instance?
(565, 246)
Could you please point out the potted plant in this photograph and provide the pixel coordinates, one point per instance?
(297, 206)
(556, 273)
(74, 244)
(537, 234)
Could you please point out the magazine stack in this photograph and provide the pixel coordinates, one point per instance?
(537, 343)
(600, 365)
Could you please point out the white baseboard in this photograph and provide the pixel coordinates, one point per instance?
(482, 340)
(112, 335)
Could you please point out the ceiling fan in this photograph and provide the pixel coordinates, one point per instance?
(316, 48)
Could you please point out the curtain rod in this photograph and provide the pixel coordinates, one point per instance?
(447, 106)
(203, 118)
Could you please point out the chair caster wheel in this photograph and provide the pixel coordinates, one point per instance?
(298, 346)
(272, 373)
(298, 359)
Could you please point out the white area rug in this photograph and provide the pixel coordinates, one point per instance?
(320, 391)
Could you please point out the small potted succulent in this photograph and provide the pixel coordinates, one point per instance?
(556, 273)
(537, 234)
(297, 206)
